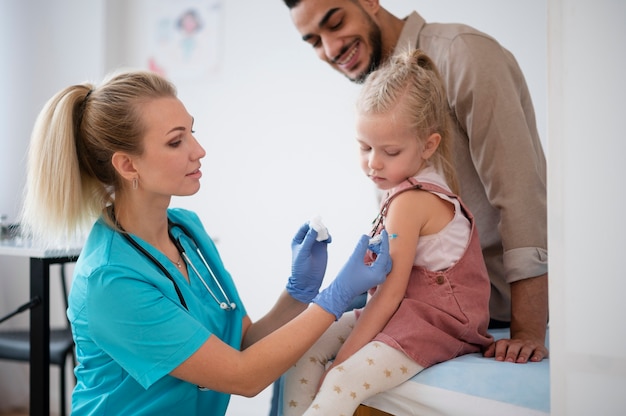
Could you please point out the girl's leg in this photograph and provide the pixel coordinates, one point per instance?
(302, 380)
(374, 368)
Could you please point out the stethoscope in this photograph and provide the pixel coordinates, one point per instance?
(226, 304)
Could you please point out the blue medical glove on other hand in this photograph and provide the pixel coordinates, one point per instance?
(308, 264)
(355, 277)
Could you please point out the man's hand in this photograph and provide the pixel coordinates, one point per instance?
(529, 319)
(519, 350)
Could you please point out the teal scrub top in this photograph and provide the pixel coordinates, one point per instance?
(131, 329)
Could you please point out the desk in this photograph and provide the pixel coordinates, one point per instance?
(40, 261)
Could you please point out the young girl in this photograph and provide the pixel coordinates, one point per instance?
(434, 305)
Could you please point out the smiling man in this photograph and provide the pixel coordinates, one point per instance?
(498, 153)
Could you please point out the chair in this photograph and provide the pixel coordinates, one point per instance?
(15, 345)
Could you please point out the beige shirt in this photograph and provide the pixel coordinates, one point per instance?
(498, 155)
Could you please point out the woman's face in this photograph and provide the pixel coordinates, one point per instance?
(170, 162)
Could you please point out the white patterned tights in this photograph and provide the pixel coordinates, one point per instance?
(374, 368)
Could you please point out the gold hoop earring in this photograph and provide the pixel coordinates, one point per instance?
(135, 183)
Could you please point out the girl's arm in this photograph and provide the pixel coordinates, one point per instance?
(410, 215)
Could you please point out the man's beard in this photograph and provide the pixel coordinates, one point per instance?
(375, 38)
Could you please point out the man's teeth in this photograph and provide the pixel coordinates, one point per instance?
(349, 57)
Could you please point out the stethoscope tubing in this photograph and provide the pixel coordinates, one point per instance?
(159, 265)
(227, 305)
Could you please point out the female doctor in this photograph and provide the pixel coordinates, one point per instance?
(158, 324)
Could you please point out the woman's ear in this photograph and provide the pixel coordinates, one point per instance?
(430, 145)
(124, 165)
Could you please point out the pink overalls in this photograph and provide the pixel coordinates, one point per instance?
(444, 314)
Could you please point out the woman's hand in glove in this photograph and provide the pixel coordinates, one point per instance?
(308, 264)
(355, 277)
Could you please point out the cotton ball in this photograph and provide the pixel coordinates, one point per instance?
(317, 225)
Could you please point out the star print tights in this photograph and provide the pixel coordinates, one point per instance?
(374, 368)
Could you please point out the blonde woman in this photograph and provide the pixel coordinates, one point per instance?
(158, 324)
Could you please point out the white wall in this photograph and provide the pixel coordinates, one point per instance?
(276, 122)
(586, 220)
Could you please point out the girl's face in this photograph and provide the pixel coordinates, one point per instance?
(390, 152)
(170, 163)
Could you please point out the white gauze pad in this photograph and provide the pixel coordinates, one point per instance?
(317, 225)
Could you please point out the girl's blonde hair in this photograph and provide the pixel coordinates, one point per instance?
(70, 175)
(410, 83)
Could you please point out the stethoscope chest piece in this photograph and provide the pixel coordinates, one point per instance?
(227, 304)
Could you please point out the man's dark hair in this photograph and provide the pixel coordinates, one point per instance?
(291, 3)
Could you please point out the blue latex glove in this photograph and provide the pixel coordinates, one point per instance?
(374, 244)
(308, 264)
(355, 277)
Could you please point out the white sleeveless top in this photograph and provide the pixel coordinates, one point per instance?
(441, 250)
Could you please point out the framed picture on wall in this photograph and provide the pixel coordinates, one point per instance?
(183, 41)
